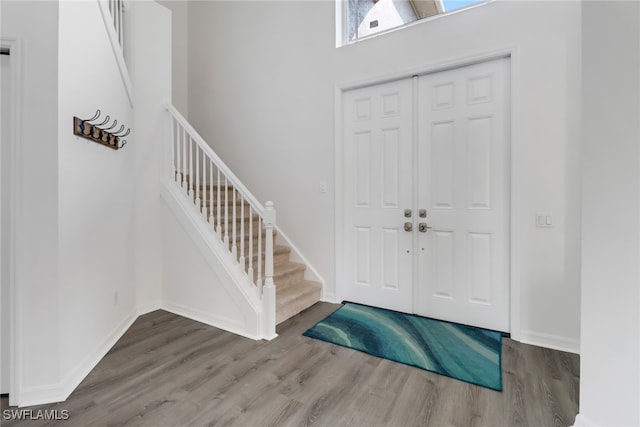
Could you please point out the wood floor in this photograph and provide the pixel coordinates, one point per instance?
(171, 371)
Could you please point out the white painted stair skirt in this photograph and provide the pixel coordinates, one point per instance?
(238, 229)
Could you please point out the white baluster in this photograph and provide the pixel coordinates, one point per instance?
(242, 259)
(203, 185)
(190, 168)
(118, 22)
(184, 159)
(250, 269)
(197, 180)
(259, 279)
(211, 218)
(121, 23)
(114, 15)
(226, 213)
(172, 147)
(234, 245)
(219, 228)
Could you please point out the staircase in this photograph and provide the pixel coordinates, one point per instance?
(242, 226)
(293, 292)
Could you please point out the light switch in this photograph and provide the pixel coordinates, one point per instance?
(544, 220)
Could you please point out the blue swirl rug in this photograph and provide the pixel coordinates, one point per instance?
(462, 352)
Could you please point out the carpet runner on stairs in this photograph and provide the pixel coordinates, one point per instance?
(293, 292)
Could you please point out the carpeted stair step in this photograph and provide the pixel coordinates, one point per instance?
(239, 213)
(288, 273)
(280, 256)
(293, 292)
(230, 203)
(284, 273)
(246, 239)
(296, 297)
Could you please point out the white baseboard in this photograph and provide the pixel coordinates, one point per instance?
(61, 391)
(330, 297)
(555, 342)
(80, 373)
(210, 319)
(41, 395)
(582, 421)
(149, 307)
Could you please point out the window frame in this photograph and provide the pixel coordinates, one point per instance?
(342, 24)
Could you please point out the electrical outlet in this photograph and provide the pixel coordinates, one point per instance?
(323, 186)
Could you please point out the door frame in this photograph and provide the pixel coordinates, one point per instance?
(514, 178)
(15, 337)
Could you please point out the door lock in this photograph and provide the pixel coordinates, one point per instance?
(423, 227)
(408, 226)
(407, 213)
(422, 213)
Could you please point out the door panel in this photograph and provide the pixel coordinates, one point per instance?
(378, 187)
(457, 269)
(463, 271)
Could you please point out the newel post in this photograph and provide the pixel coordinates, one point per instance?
(171, 162)
(269, 289)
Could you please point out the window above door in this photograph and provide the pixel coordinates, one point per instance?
(365, 18)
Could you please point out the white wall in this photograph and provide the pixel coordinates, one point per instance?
(96, 197)
(610, 341)
(35, 26)
(179, 51)
(261, 91)
(151, 71)
(83, 238)
(196, 283)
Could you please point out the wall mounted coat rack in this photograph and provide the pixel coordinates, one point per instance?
(101, 132)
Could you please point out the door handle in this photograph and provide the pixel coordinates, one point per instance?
(408, 226)
(423, 227)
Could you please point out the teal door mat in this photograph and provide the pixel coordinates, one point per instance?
(466, 353)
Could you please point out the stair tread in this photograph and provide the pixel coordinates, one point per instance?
(294, 290)
(288, 267)
(277, 250)
(295, 298)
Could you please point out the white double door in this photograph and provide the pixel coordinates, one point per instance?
(426, 195)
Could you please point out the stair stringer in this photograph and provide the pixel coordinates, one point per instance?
(231, 286)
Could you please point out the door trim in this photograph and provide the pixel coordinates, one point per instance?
(15, 335)
(514, 179)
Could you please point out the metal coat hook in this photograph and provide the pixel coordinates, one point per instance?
(115, 122)
(125, 134)
(101, 132)
(106, 120)
(119, 130)
(94, 117)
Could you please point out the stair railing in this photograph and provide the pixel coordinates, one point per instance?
(235, 217)
(116, 7)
